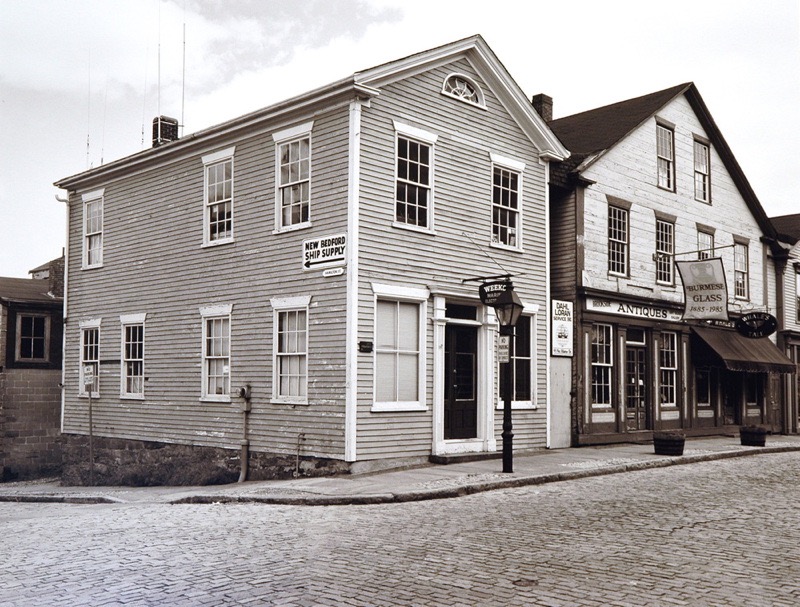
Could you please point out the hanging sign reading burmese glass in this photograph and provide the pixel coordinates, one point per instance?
(705, 291)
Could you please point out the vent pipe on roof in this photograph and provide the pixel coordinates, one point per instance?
(165, 129)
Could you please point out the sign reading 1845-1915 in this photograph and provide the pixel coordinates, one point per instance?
(324, 252)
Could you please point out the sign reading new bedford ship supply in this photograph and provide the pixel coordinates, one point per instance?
(324, 252)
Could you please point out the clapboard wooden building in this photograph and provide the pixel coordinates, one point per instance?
(293, 281)
(787, 284)
(651, 181)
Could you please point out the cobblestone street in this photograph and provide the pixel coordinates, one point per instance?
(721, 533)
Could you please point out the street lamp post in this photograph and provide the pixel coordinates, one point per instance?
(508, 308)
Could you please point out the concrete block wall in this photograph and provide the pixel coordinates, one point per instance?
(30, 410)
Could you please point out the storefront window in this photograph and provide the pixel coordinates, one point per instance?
(602, 362)
(669, 368)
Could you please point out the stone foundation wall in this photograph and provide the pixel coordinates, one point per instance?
(30, 422)
(123, 462)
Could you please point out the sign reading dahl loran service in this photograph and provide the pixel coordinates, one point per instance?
(562, 328)
(705, 290)
(325, 251)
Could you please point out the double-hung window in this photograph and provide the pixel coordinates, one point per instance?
(132, 364)
(290, 349)
(665, 138)
(216, 375)
(741, 280)
(414, 178)
(33, 338)
(293, 176)
(702, 172)
(218, 206)
(705, 244)
(399, 348)
(617, 241)
(668, 368)
(90, 358)
(602, 365)
(93, 229)
(523, 361)
(665, 251)
(797, 293)
(506, 201)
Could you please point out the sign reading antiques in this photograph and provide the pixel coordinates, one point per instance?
(562, 328)
(620, 308)
(705, 291)
(757, 324)
(325, 251)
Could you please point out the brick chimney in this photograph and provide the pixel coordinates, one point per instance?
(544, 105)
(57, 277)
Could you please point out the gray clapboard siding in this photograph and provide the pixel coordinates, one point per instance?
(154, 263)
(461, 203)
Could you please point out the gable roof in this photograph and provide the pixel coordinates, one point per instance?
(787, 227)
(588, 135)
(364, 84)
(26, 290)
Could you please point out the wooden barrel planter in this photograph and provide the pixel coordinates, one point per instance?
(753, 436)
(668, 443)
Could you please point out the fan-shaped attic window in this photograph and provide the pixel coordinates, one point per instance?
(464, 88)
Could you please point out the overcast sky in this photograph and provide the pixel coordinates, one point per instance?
(80, 80)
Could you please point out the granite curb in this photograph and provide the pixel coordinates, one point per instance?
(462, 487)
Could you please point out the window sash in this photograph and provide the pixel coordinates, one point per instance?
(522, 362)
(216, 357)
(133, 359)
(665, 249)
(665, 153)
(740, 271)
(668, 368)
(797, 291)
(701, 172)
(705, 245)
(33, 338)
(412, 196)
(617, 240)
(291, 354)
(219, 201)
(294, 181)
(505, 207)
(90, 357)
(602, 363)
(397, 352)
(93, 232)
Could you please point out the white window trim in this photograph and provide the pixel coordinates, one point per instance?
(517, 166)
(707, 146)
(210, 159)
(91, 323)
(402, 294)
(287, 135)
(428, 138)
(481, 100)
(85, 199)
(125, 321)
(285, 304)
(531, 311)
(206, 313)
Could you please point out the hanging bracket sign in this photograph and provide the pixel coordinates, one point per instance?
(757, 324)
(490, 291)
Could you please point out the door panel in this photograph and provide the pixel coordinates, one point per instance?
(461, 385)
(636, 388)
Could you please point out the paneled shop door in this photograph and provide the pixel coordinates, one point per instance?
(460, 382)
(636, 388)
